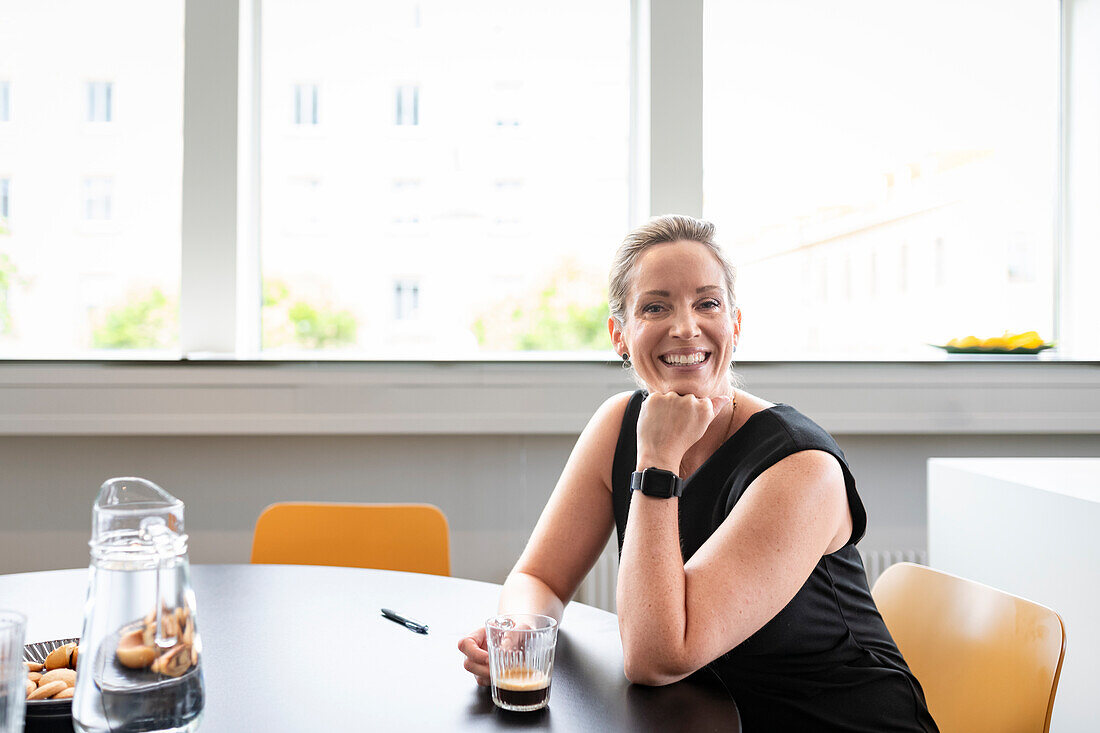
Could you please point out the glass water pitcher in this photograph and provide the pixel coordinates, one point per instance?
(140, 661)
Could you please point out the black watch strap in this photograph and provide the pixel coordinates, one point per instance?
(657, 482)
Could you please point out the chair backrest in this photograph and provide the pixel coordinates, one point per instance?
(987, 660)
(409, 537)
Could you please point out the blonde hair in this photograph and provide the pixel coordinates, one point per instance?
(660, 230)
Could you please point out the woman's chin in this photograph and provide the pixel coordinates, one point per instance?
(688, 384)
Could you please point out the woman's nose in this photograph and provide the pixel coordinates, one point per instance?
(684, 325)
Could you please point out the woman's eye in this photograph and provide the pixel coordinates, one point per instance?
(652, 308)
(710, 303)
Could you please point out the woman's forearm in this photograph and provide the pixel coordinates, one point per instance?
(651, 592)
(524, 593)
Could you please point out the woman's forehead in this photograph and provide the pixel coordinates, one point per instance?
(679, 262)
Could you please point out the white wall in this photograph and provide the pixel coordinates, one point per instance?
(491, 487)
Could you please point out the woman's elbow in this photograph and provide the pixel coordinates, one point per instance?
(647, 671)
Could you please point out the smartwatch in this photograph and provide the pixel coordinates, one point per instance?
(657, 482)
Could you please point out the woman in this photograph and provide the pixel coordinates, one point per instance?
(751, 573)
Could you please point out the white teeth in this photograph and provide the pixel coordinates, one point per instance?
(684, 359)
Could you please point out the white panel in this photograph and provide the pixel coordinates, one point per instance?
(525, 398)
(1028, 527)
(1080, 298)
(676, 107)
(208, 299)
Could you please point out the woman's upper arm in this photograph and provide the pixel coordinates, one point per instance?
(575, 524)
(762, 553)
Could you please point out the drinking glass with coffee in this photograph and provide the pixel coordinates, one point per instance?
(521, 659)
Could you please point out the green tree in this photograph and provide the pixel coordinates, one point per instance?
(569, 313)
(288, 319)
(147, 320)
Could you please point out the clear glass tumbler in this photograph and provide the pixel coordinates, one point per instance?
(521, 659)
(13, 674)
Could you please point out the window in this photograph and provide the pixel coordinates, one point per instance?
(97, 198)
(407, 105)
(892, 163)
(406, 197)
(885, 140)
(99, 101)
(508, 101)
(406, 299)
(305, 104)
(422, 195)
(304, 204)
(91, 224)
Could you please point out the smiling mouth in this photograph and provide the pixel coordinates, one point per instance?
(693, 359)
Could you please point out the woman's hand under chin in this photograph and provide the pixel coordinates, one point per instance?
(669, 424)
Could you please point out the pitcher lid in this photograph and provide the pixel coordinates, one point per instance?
(132, 505)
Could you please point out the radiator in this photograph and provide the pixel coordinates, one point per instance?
(875, 561)
(598, 589)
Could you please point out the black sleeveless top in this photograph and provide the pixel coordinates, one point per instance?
(826, 661)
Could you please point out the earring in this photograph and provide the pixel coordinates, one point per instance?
(626, 359)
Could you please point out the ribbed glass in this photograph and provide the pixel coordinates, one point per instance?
(521, 659)
(13, 675)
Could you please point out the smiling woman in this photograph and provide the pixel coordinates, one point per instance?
(736, 518)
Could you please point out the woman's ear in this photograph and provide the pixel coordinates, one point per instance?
(616, 332)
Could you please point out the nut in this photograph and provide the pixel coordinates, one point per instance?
(188, 635)
(34, 677)
(48, 690)
(174, 662)
(132, 652)
(59, 657)
(67, 676)
(33, 666)
(67, 692)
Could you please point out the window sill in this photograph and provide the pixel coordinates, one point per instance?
(547, 398)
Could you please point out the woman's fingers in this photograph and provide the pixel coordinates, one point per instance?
(670, 423)
(477, 657)
(473, 651)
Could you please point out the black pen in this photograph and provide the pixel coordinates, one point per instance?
(406, 622)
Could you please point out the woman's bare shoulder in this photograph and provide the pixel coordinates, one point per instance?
(595, 448)
(613, 409)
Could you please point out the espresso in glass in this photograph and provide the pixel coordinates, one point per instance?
(521, 659)
(522, 689)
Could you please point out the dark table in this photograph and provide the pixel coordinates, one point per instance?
(301, 648)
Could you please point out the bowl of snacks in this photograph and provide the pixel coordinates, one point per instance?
(1028, 342)
(51, 680)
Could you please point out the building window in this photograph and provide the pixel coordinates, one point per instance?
(5, 101)
(407, 105)
(305, 110)
(508, 97)
(5, 198)
(305, 203)
(100, 99)
(97, 198)
(406, 299)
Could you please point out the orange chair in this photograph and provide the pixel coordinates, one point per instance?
(987, 660)
(409, 537)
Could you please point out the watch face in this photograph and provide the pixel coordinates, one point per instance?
(656, 482)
